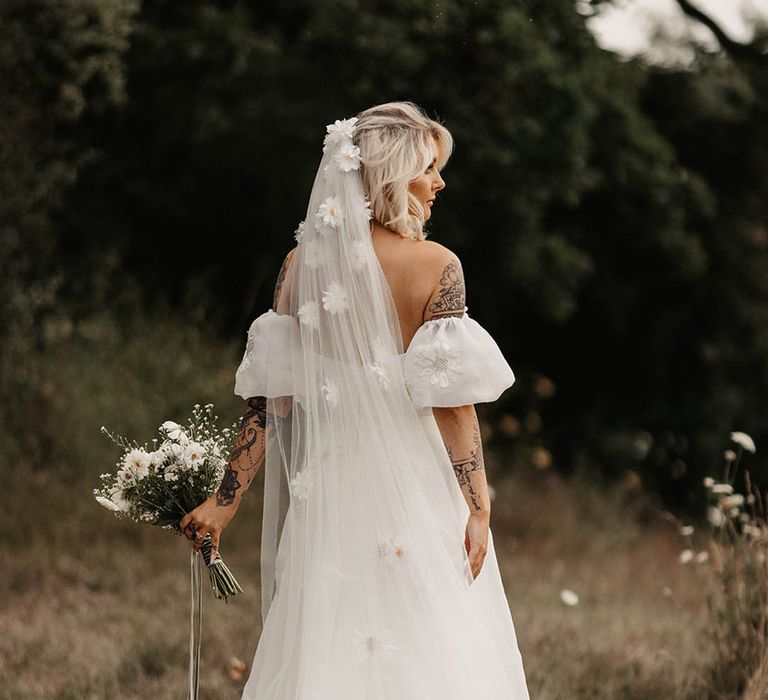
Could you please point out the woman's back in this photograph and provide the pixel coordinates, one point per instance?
(413, 271)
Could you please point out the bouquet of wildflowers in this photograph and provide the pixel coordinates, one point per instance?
(159, 486)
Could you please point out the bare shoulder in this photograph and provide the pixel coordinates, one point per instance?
(446, 275)
(281, 278)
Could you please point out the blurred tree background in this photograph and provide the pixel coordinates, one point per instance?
(611, 215)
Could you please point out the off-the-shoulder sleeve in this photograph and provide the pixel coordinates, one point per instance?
(454, 361)
(267, 365)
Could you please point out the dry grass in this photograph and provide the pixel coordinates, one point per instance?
(95, 607)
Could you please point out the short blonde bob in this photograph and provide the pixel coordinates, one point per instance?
(395, 148)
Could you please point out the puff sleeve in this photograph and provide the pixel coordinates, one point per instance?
(454, 361)
(267, 366)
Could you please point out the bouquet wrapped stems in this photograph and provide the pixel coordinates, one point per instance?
(223, 583)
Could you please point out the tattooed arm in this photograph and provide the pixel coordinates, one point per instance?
(249, 451)
(458, 425)
(245, 460)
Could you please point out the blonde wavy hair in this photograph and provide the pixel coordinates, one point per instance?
(395, 148)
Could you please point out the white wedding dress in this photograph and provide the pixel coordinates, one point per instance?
(374, 597)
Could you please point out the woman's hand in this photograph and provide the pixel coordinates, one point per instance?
(476, 540)
(209, 516)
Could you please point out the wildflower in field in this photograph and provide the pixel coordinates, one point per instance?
(702, 556)
(686, 555)
(686, 530)
(729, 456)
(743, 440)
(722, 488)
(709, 482)
(568, 597)
(715, 516)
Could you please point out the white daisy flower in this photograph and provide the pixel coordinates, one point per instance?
(743, 440)
(330, 392)
(702, 556)
(733, 501)
(722, 488)
(373, 644)
(157, 457)
(137, 460)
(173, 430)
(335, 298)
(568, 597)
(309, 314)
(686, 530)
(715, 516)
(390, 551)
(298, 234)
(340, 131)
(109, 505)
(348, 157)
(439, 362)
(359, 256)
(367, 208)
(329, 214)
(686, 555)
(709, 482)
(171, 475)
(301, 483)
(729, 455)
(194, 454)
(377, 372)
(119, 499)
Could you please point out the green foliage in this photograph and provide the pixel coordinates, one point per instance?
(610, 217)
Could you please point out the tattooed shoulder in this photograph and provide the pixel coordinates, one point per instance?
(450, 295)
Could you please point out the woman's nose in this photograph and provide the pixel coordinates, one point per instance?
(440, 182)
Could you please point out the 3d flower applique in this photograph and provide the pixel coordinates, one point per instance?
(439, 362)
(309, 314)
(314, 253)
(378, 373)
(390, 551)
(301, 483)
(359, 256)
(348, 157)
(329, 215)
(298, 234)
(335, 298)
(367, 208)
(374, 643)
(330, 393)
(340, 131)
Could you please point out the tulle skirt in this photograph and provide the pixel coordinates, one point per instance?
(388, 611)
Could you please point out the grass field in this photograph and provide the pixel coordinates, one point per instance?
(96, 607)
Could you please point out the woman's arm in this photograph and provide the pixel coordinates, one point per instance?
(460, 431)
(458, 425)
(245, 460)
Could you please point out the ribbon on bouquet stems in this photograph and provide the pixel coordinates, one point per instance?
(195, 622)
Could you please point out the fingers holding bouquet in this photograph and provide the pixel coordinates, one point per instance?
(207, 521)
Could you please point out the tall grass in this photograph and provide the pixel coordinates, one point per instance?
(78, 597)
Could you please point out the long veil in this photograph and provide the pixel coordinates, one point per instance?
(363, 527)
(342, 364)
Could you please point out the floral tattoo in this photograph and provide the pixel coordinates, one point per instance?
(463, 468)
(450, 299)
(252, 426)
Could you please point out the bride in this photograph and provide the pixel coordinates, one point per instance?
(379, 578)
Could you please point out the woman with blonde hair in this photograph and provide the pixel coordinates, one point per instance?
(379, 578)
